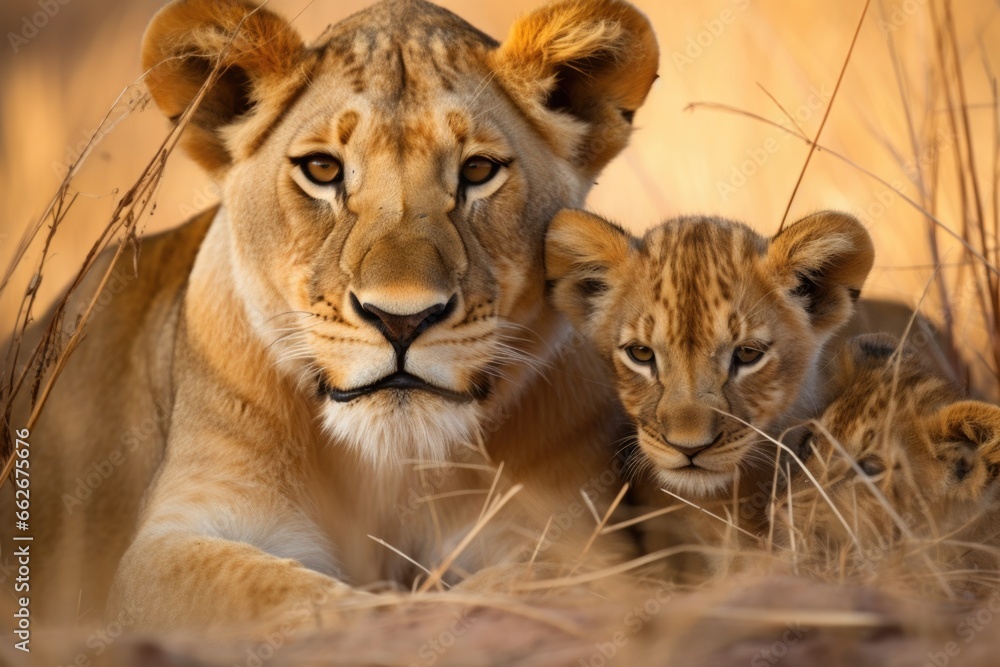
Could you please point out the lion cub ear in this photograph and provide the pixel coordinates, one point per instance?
(581, 252)
(967, 435)
(593, 60)
(262, 63)
(823, 260)
(873, 350)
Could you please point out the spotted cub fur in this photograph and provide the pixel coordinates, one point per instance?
(711, 331)
(712, 334)
(908, 468)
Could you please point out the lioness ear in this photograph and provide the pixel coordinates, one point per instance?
(594, 60)
(824, 260)
(967, 432)
(262, 63)
(581, 250)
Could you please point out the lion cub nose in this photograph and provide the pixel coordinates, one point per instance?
(401, 329)
(691, 428)
(692, 449)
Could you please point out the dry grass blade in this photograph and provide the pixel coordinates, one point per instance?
(802, 466)
(698, 507)
(435, 576)
(460, 598)
(803, 617)
(605, 573)
(600, 525)
(124, 220)
(992, 280)
(640, 519)
(820, 147)
(826, 115)
(538, 547)
(404, 556)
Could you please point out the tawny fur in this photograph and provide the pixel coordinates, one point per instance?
(909, 463)
(693, 291)
(258, 502)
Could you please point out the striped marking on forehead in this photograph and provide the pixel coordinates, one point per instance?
(700, 265)
(396, 51)
(346, 125)
(403, 51)
(322, 132)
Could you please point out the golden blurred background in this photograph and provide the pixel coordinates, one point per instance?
(898, 115)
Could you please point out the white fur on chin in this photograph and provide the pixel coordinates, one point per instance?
(390, 427)
(693, 484)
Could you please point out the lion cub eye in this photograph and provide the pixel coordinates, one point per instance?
(871, 466)
(322, 169)
(478, 170)
(640, 354)
(747, 356)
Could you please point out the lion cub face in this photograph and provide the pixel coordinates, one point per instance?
(711, 331)
(898, 454)
(386, 191)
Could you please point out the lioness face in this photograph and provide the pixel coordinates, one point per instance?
(403, 198)
(709, 329)
(387, 216)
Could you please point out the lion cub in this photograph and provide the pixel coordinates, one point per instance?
(712, 334)
(904, 460)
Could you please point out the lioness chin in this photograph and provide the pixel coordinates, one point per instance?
(352, 342)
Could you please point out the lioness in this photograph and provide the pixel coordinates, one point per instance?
(369, 294)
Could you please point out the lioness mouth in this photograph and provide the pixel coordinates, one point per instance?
(401, 380)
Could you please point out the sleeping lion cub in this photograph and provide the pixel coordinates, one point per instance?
(910, 465)
(712, 333)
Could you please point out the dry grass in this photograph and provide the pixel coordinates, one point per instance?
(911, 144)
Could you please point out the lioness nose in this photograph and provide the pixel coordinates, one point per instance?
(401, 329)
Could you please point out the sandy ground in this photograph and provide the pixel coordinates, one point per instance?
(756, 622)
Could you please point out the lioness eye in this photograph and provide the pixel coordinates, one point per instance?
(322, 169)
(478, 170)
(746, 356)
(871, 466)
(640, 354)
